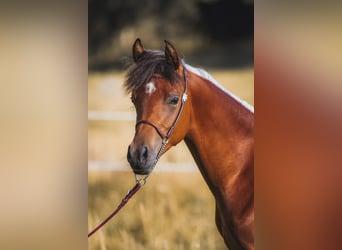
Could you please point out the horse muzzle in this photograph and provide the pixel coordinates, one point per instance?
(141, 159)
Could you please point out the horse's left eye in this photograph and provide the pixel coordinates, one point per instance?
(174, 100)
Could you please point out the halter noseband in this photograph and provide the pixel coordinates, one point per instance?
(161, 134)
(166, 136)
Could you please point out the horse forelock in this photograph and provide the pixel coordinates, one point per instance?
(151, 62)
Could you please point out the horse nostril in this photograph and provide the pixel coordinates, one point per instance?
(143, 154)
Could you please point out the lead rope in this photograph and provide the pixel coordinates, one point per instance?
(129, 195)
(139, 182)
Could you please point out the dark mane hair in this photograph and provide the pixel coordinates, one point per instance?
(151, 62)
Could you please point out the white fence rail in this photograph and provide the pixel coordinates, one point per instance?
(109, 115)
(167, 167)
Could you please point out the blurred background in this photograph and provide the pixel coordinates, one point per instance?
(175, 210)
(215, 33)
(44, 128)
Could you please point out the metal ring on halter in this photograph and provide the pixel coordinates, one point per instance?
(142, 180)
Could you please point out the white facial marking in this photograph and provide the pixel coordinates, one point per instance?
(150, 88)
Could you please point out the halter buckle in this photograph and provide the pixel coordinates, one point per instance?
(184, 97)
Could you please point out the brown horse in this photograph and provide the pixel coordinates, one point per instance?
(175, 101)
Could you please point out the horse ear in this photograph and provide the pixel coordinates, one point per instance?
(138, 50)
(171, 55)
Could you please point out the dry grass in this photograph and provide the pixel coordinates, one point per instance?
(172, 211)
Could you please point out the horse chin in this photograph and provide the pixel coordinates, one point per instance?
(140, 171)
(143, 170)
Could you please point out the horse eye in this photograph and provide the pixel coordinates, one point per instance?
(174, 100)
(132, 99)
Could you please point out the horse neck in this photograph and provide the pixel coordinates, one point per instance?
(220, 129)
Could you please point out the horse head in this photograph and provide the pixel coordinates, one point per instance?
(157, 83)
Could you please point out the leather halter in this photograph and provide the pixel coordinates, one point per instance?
(166, 136)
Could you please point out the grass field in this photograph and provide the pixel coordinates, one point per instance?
(173, 211)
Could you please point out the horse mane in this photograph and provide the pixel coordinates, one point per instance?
(150, 63)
